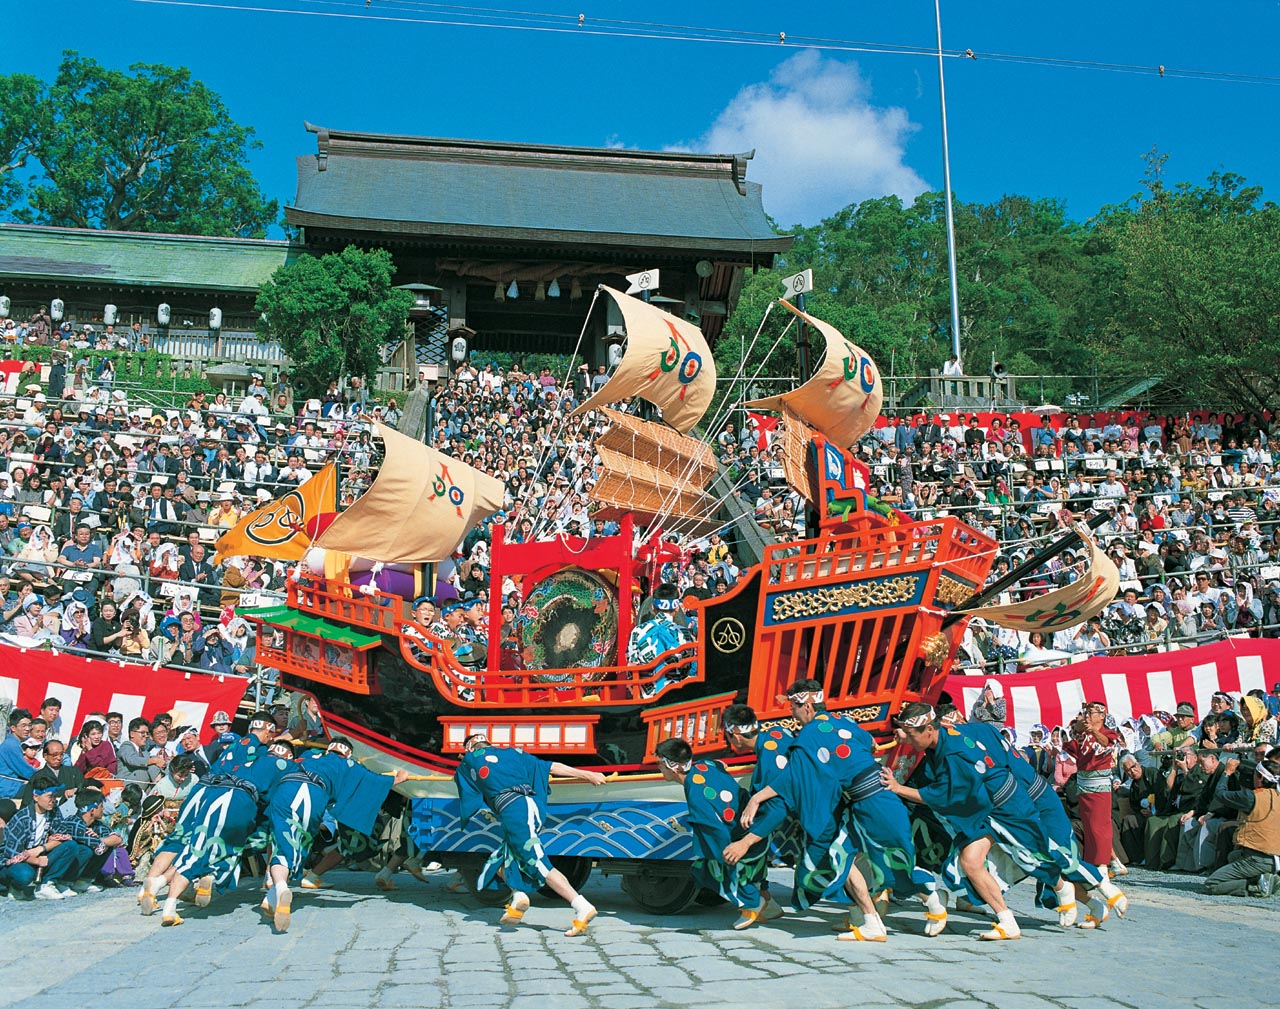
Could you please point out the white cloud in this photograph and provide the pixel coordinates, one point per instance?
(820, 143)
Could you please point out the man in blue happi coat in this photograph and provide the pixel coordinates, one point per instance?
(771, 746)
(832, 783)
(14, 769)
(515, 786)
(296, 806)
(715, 800)
(972, 785)
(1068, 874)
(215, 822)
(657, 635)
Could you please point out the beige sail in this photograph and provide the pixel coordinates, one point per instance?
(419, 508)
(667, 362)
(1086, 597)
(842, 400)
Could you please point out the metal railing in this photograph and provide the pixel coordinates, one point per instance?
(1085, 393)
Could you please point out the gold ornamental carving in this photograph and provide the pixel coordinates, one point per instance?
(935, 650)
(952, 592)
(862, 595)
(873, 713)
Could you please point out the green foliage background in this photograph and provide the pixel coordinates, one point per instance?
(1182, 282)
(333, 313)
(148, 149)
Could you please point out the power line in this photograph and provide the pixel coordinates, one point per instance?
(468, 16)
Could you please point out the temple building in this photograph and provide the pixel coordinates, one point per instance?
(502, 243)
(515, 238)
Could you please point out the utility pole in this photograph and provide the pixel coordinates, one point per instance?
(946, 185)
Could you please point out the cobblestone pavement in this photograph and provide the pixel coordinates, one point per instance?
(422, 947)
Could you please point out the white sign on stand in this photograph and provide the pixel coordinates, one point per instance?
(647, 280)
(799, 283)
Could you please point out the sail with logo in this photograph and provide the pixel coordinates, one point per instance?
(283, 529)
(841, 400)
(419, 508)
(654, 470)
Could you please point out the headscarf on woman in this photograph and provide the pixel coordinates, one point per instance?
(76, 625)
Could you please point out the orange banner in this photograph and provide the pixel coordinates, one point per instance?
(279, 528)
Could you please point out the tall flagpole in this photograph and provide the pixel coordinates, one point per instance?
(946, 185)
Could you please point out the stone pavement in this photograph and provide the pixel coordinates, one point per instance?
(424, 948)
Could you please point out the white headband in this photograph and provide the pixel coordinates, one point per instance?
(743, 729)
(341, 748)
(916, 721)
(804, 696)
(259, 723)
(682, 768)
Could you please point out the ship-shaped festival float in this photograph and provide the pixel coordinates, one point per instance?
(869, 606)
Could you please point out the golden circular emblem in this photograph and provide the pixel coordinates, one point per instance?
(728, 635)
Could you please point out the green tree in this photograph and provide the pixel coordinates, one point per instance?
(334, 313)
(881, 277)
(22, 100)
(1195, 276)
(150, 149)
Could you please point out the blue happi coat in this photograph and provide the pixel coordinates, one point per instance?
(515, 787)
(969, 777)
(715, 803)
(831, 783)
(1059, 839)
(218, 818)
(773, 819)
(652, 638)
(297, 804)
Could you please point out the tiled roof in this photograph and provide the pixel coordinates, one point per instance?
(527, 192)
(139, 260)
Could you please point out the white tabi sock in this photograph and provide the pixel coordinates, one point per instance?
(1108, 889)
(153, 884)
(934, 904)
(280, 888)
(170, 906)
(580, 904)
(872, 925)
(1006, 919)
(384, 874)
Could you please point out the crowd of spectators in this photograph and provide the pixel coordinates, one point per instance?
(111, 505)
(1193, 504)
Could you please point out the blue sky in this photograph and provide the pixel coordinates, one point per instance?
(831, 128)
